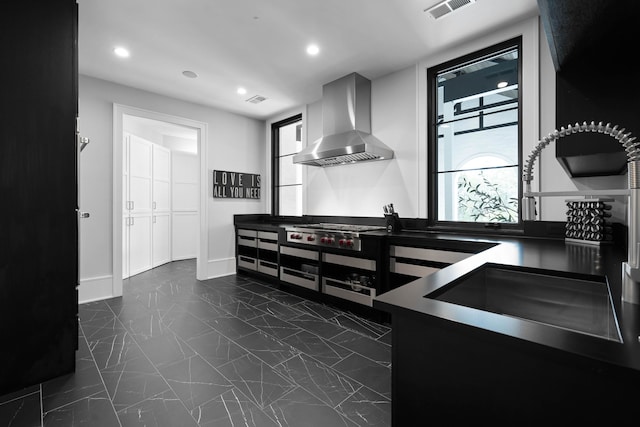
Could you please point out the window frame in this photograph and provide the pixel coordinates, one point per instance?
(275, 160)
(432, 137)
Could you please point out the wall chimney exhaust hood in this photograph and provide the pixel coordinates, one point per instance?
(346, 126)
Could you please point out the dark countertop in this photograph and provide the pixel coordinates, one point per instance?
(260, 226)
(546, 254)
(518, 251)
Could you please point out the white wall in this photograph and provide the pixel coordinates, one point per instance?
(234, 143)
(361, 189)
(399, 119)
(175, 143)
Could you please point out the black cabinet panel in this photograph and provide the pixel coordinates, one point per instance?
(591, 43)
(39, 229)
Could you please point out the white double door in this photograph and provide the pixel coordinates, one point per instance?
(146, 231)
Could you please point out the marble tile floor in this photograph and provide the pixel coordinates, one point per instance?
(232, 351)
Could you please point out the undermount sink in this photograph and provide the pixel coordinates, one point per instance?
(579, 304)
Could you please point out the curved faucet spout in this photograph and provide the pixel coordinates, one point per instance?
(628, 142)
(630, 268)
(631, 147)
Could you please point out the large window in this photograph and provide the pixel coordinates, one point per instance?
(286, 139)
(475, 139)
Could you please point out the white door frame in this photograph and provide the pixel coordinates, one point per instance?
(119, 111)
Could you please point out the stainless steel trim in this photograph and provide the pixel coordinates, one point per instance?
(268, 246)
(300, 253)
(247, 241)
(425, 254)
(305, 280)
(247, 262)
(346, 126)
(410, 269)
(616, 192)
(268, 268)
(247, 233)
(267, 235)
(365, 264)
(357, 297)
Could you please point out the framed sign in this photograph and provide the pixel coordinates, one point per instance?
(236, 185)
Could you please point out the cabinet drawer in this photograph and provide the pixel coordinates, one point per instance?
(267, 235)
(300, 253)
(410, 269)
(299, 278)
(247, 262)
(449, 257)
(247, 233)
(247, 241)
(343, 290)
(268, 246)
(268, 268)
(365, 264)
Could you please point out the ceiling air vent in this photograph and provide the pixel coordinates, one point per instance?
(257, 99)
(446, 7)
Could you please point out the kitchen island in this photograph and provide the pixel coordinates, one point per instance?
(453, 363)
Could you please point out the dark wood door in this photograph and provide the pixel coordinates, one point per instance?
(38, 191)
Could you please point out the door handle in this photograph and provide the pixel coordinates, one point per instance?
(83, 142)
(84, 214)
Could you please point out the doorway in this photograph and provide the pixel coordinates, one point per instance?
(149, 228)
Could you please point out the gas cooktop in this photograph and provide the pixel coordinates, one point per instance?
(324, 226)
(342, 236)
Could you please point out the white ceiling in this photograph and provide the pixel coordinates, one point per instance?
(260, 44)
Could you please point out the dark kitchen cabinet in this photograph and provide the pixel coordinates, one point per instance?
(300, 267)
(407, 263)
(350, 278)
(257, 250)
(38, 173)
(592, 47)
(268, 252)
(247, 249)
(412, 258)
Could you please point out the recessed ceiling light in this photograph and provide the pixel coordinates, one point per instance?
(502, 84)
(189, 74)
(313, 49)
(121, 52)
(241, 91)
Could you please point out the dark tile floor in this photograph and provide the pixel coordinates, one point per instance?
(232, 351)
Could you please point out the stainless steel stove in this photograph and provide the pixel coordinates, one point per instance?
(341, 236)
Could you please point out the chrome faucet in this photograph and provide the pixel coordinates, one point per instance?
(630, 268)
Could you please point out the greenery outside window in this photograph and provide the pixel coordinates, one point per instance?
(286, 140)
(475, 139)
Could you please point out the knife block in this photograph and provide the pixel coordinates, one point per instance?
(392, 222)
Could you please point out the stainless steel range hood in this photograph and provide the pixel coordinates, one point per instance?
(346, 126)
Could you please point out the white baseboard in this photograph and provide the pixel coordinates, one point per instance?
(183, 257)
(99, 288)
(221, 267)
(95, 288)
